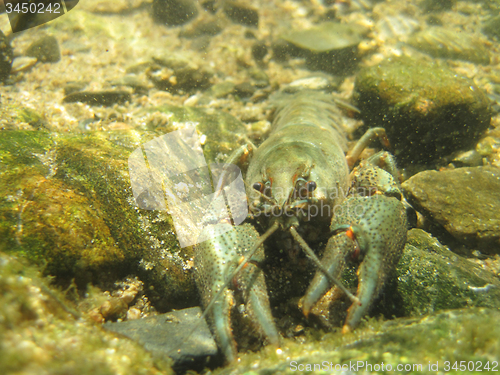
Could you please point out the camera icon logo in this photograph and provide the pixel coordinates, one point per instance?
(170, 173)
(25, 14)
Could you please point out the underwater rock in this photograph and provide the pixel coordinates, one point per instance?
(465, 201)
(174, 12)
(426, 109)
(6, 56)
(330, 46)
(67, 203)
(23, 63)
(430, 277)
(440, 42)
(45, 49)
(412, 343)
(172, 335)
(492, 27)
(222, 89)
(101, 98)
(241, 13)
(244, 90)
(178, 74)
(203, 27)
(439, 5)
(259, 50)
(42, 333)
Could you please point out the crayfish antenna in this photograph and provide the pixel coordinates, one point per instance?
(310, 253)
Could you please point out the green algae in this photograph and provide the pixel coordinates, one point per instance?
(426, 109)
(68, 206)
(41, 333)
(455, 335)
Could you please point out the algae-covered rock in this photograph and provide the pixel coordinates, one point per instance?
(239, 12)
(41, 333)
(67, 204)
(426, 109)
(174, 12)
(330, 46)
(441, 42)
(45, 49)
(465, 201)
(104, 98)
(6, 56)
(430, 277)
(412, 344)
(178, 74)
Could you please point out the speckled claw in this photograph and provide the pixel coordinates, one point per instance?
(376, 239)
(216, 261)
(376, 175)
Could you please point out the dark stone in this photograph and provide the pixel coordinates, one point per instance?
(464, 201)
(102, 98)
(181, 335)
(259, 51)
(174, 12)
(45, 49)
(6, 56)
(72, 87)
(187, 76)
(241, 13)
(427, 110)
(244, 90)
(208, 27)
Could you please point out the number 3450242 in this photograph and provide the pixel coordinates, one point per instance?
(33, 8)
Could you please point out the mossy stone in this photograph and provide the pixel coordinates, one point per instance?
(174, 12)
(414, 344)
(463, 201)
(6, 56)
(427, 110)
(444, 43)
(67, 204)
(45, 49)
(43, 333)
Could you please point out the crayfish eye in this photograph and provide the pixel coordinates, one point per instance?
(258, 186)
(311, 186)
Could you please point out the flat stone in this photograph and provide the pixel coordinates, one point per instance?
(104, 98)
(445, 43)
(465, 201)
(427, 110)
(45, 49)
(180, 335)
